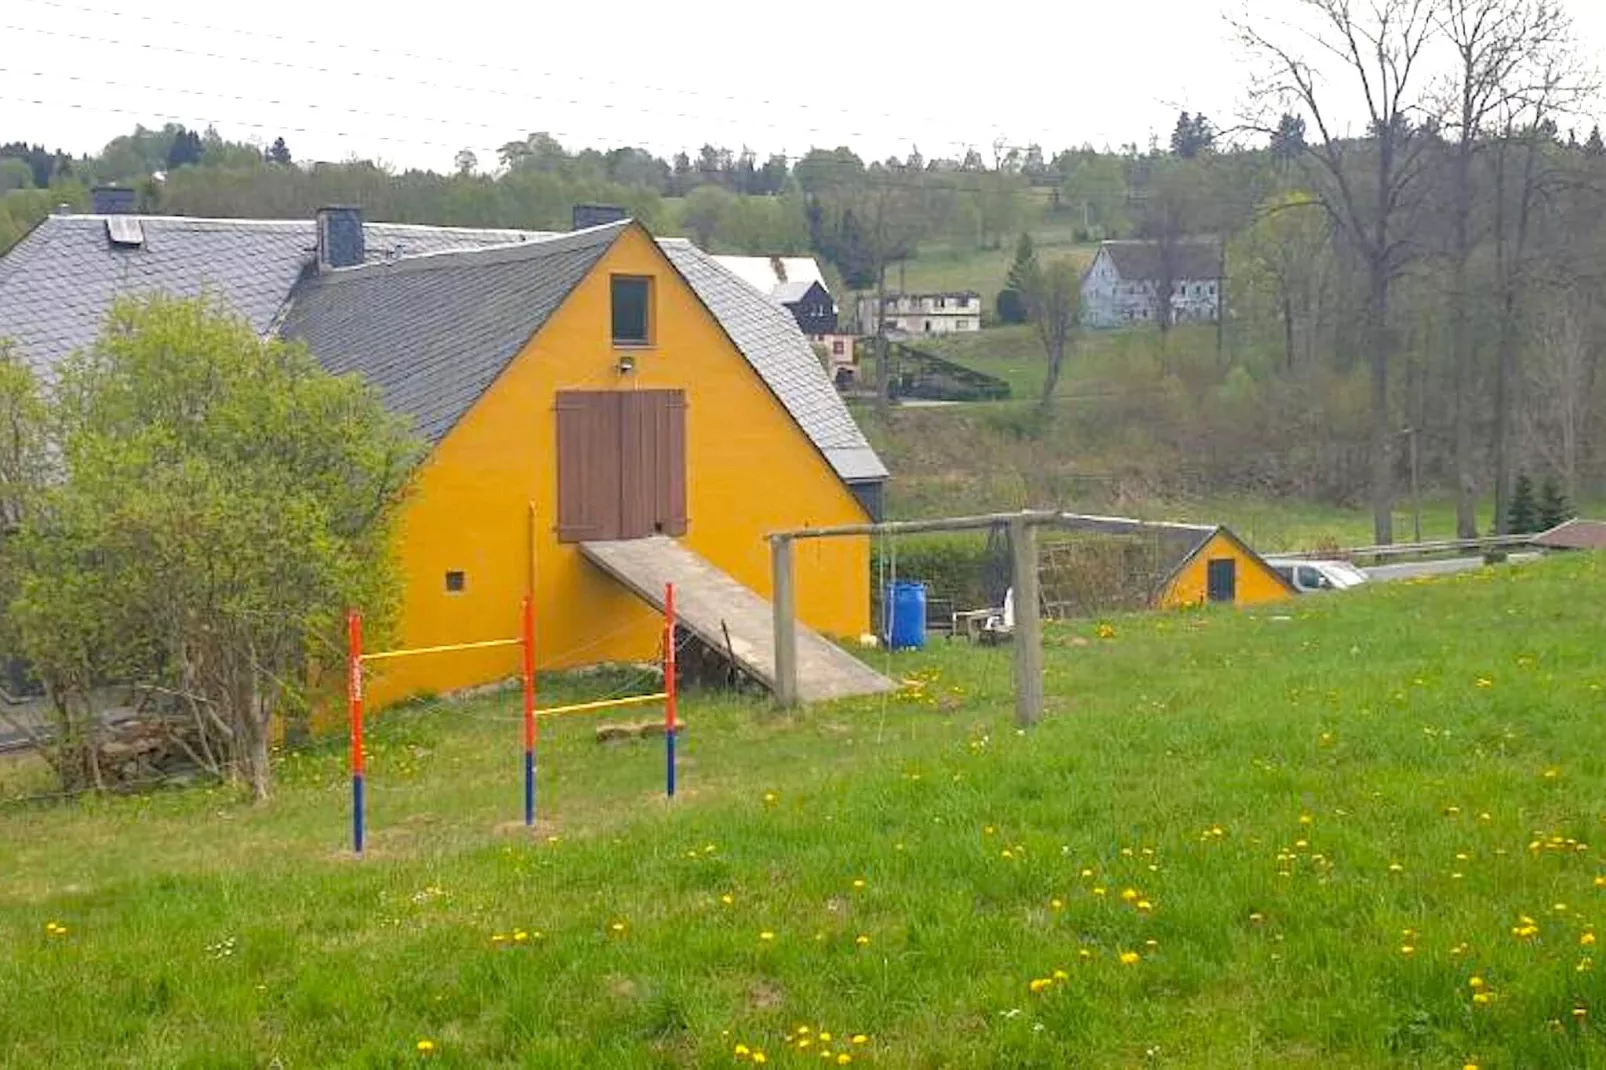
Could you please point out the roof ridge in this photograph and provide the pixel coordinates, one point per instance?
(507, 252)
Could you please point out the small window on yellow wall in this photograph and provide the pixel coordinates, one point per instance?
(632, 310)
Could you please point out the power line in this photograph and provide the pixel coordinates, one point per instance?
(410, 81)
(457, 62)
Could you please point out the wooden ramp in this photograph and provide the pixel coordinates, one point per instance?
(711, 604)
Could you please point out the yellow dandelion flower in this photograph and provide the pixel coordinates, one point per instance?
(743, 1051)
(1470, 1066)
(1061, 975)
(766, 936)
(826, 1037)
(805, 1042)
(862, 940)
(425, 1046)
(860, 883)
(1144, 905)
(1098, 890)
(1056, 904)
(843, 1058)
(1395, 867)
(1129, 894)
(1039, 984)
(1483, 998)
(1084, 953)
(1484, 681)
(1475, 983)
(1585, 964)
(498, 938)
(1600, 882)
(617, 927)
(1256, 917)
(1586, 939)
(1087, 874)
(1580, 1013)
(1128, 958)
(1407, 949)
(727, 899)
(1306, 819)
(1552, 773)
(1006, 853)
(860, 1038)
(770, 798)
(760, 1058)
(520, 936)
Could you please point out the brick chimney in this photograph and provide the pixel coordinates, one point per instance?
(596, 215)
(112, 200)
(340, 237)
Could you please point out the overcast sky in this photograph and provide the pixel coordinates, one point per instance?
(411, 84)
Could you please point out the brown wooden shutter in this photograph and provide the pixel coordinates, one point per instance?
(653, 424)
(589, 466)
(672, 464)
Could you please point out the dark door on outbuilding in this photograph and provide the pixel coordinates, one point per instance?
(621, 464)
(1221, 582)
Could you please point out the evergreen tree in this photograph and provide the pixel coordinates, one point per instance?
(1522, 516)
(1288, 140)
(185, 149)
(1594, 146)
(1554, 508)
(1011, 302)
(279, 152)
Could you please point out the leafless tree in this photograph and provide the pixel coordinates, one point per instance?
(1559, 384)
(1525, 178)
(1497, 45)
(1368, 185)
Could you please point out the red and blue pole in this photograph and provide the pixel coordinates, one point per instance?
(354, 707)
(529, 711)
(670, 725)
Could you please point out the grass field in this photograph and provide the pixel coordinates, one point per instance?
(1357, 830)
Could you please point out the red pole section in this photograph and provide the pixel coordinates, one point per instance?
(354, 708)
(529, 710)
(670, 689)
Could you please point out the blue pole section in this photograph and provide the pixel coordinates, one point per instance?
(669, 751)
(529, 788)
(356, 813)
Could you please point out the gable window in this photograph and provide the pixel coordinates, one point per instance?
(632, 310)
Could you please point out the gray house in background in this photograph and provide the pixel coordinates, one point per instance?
(1122, 286)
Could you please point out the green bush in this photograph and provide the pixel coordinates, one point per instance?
(955, 568)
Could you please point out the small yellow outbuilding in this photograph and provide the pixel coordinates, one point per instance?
(1221, 568)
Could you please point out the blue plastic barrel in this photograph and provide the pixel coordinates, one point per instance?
(903, 615)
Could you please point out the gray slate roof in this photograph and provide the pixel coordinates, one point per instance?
(769, 337)
(58, 283)
(433, 332)
(1141, 261)
(431, 319)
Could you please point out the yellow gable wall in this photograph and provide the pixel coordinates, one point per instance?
(1256, 581)
(750, 470)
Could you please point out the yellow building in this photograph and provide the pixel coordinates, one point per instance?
(1109, 561)
(623, 386)
(1221, 568)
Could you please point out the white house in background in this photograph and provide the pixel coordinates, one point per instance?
(1122, 285)
(935, 313)
(797, 284)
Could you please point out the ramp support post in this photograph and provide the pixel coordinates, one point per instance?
(1028, 642)
(785, 606)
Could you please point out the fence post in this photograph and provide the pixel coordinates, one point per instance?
(1028, 623)
(528, 620)
(670, 690)
(785, 638)
(354, 709)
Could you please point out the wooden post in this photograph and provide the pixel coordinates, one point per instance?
(785, 603)
(1028, 623)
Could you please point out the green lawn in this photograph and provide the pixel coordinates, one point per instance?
(1356, 830)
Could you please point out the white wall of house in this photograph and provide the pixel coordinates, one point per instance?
(923, 313)
(1108, 300)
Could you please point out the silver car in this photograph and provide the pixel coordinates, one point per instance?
(1308, 576)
